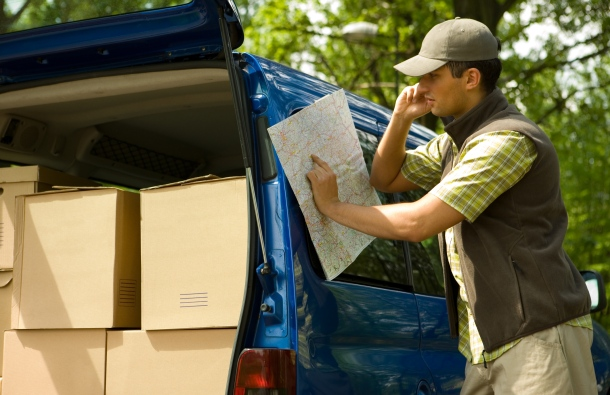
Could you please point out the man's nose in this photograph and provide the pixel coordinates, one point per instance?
(423, 85)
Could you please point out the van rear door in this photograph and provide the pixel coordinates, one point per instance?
(86, 37)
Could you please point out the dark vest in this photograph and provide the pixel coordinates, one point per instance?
(518, 278)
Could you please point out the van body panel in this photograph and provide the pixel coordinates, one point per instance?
(160, 35)
(437, 346)
(355, 339)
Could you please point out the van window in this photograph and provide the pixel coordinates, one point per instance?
(25, 15)
(425, 258)
(383, 262)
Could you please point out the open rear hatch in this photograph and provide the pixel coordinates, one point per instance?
(42, 42)
(138, 99)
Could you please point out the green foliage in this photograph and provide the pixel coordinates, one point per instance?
(36, 13)
(563, 85)
(308, 35)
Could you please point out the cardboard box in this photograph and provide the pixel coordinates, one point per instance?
(6, 295)
(15, 181)
(181, 362)
(194, 253)
(48, 362)
(77, 264)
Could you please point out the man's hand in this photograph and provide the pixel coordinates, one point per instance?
(402, 221)
(411, 103)
(390, 155)
(323, 184)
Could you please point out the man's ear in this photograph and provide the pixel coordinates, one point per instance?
(473, 78)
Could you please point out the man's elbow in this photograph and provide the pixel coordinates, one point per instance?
(416, 236)
(414, 232)
(378, 185)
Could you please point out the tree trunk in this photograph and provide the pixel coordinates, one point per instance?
(487, 11)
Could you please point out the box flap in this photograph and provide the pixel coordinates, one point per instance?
(62, 188)
(19, 174)
(5, 278)
(41, 174)
(195, 180)
(8, 192)
(18, 260)
(66, 189)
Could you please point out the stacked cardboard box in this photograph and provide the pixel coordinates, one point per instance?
(75, 315)
(76, 274)
(182, 362)
(6, 295)
(194, 259)
(194, 252)
(57, 361)
(15, 181)
(77, 260)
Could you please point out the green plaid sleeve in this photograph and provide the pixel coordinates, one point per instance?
(422, 166)
(488, 166)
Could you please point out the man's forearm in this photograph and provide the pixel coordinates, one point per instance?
(376, 221)
(390, 154)
(387, 163)
(414, 221)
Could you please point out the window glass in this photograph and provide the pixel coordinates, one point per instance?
(381, 261)
(20, 15)
(425, 258)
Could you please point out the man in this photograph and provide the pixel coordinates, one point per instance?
(518, 304)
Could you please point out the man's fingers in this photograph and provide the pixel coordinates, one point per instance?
(415, 94)
(318, 161)
(411, 94)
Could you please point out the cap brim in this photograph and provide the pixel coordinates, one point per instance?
(418, 66)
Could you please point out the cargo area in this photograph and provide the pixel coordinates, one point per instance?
(124, 242)
(139, 129)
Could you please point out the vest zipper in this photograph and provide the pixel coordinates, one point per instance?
(484, 361)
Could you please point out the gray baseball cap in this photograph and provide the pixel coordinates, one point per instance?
(453, 40)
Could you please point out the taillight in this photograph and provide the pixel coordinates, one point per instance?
(266, 371)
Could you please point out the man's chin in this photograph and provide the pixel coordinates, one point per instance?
(437, 112)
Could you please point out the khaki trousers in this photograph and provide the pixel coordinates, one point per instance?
(555, 361)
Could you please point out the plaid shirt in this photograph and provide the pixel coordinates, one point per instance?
(487, 167)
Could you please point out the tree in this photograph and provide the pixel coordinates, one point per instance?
(36, 13)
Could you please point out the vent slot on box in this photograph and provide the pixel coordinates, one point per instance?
(195, 299)
(127, 293)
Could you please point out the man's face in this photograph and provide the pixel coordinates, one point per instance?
(444, 93)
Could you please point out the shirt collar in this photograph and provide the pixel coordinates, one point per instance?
(460, 129)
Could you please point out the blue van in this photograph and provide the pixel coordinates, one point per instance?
(150, 96)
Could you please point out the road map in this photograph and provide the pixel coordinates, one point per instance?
(326, 128)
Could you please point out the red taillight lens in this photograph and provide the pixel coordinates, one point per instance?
(266, 372)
